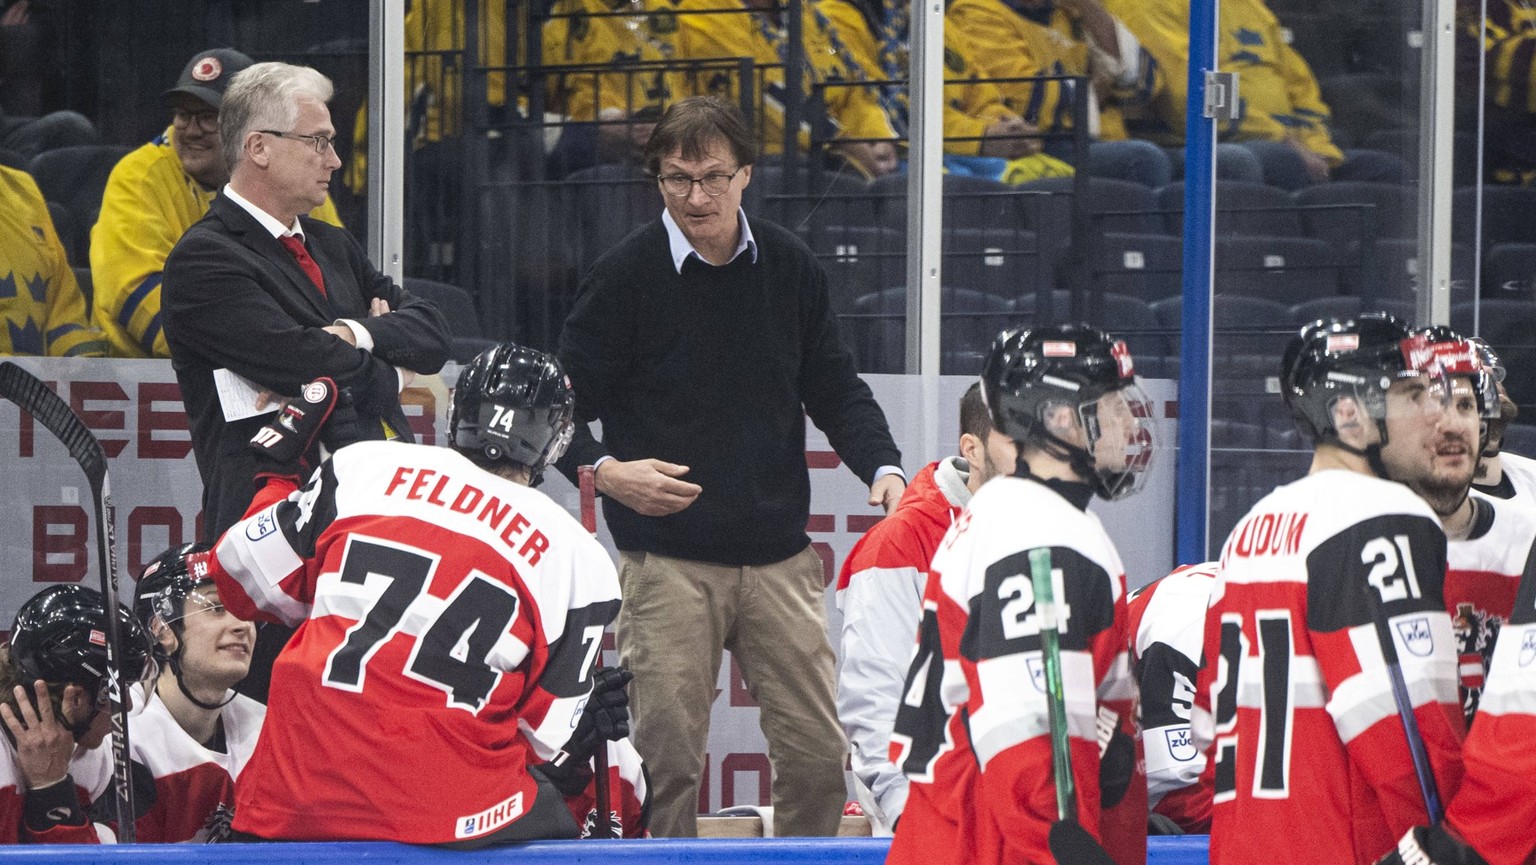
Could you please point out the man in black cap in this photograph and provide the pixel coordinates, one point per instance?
(154, 195)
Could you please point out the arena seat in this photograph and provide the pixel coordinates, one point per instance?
(1242, 208)
(1344, 212)
(876, 329)
(1287, 269)
(76, 177)
(1114, 205)
(1147, 266)
(459, 309)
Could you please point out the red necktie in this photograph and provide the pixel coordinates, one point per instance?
(295, 245)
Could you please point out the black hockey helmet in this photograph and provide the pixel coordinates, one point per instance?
(1331, 359)
(513, 404)
(1031, 371)
(60, 637)
(164, 586)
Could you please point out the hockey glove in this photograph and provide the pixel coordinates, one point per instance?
(606, 717)
(1431, 845)
(345, 427)
(280, 446)
(1116, 766)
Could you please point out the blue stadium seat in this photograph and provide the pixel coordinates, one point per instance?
(1509, 270)
(1346, 212)
(1341, 306)
(1389, 269)
(1115, 205)
(1506, 215)
(1147, 266)
(859, 260)
(1003, 262)
(1288, 269)
(876, 329)
(459, 309)
(969, 202)
(1241, 209)
(1510, 327)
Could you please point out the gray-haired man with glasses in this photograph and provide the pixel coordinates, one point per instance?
(260, 291)
(702, 342)
(154, 195)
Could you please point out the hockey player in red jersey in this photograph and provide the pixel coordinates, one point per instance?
(1320, 583)
(437, 688)
(1167, 628)
(1501, 475)
(194, 734)
(1493, 576)
(53, 700)
(973, 720)
(880, 594)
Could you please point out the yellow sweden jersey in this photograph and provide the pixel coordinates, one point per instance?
(150, 201)
(40, 300)
(591, 38)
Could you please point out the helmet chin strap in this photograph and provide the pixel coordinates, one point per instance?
(181, 684)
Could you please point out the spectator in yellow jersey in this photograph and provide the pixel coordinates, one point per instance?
(1023, 38)
(153, 196)
(40, 301)
(1509, 109)
(1283, 118)
(613, 111)
(755, 29)
(976, 120)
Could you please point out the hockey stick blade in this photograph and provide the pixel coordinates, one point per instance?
(35, 398)
(1071, 844)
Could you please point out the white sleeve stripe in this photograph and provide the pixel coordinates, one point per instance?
(259, 567)
(1015, 708)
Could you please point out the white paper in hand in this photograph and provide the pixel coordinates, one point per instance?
(238, 395)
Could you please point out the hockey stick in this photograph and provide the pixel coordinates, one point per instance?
(1410, 722)
(604, 829)
(1070, 843)
(35, 398)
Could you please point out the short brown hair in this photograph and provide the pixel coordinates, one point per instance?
(692, 125)
(975, 420)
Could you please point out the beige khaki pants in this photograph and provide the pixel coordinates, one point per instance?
(676, 618)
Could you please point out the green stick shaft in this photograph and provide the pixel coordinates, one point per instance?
(1055, 693)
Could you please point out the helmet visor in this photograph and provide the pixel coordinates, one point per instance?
(1121, 439)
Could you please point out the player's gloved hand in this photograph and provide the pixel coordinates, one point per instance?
(1431, 845)
(1116, 767)
(606, 717)
(345, 427)
(281, 444)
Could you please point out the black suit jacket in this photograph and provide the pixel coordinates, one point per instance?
(233, 297)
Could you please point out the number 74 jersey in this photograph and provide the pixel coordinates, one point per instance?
(447, 622)
(1295, 701)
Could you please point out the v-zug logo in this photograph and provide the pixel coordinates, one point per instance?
(1528, 647)
(264, 524)
(1181, 744)
(1416, 636)
(1036, 669)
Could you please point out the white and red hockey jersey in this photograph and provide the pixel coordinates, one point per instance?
(1495, 809)
(880, 594)
(1167, 624)
(440, 611)
(1308, 745)
(92, 773)
(986, 669)
(194, 784)
(1481, 579)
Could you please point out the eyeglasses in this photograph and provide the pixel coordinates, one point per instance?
(680, 185)
(208, 121)
(321, 142)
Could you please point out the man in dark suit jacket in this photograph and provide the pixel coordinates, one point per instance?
(239, 296)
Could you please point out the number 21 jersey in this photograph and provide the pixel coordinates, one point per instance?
(1308, 747)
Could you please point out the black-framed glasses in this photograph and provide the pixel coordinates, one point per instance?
(208, 121)
(320, 142)
(681, 185)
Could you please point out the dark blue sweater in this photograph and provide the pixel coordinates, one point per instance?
(717, 368)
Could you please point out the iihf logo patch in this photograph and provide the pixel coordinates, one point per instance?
(1036, 669)
(264, 524)
(314, 392)
(1528, 647)
(1416, 636)
(1181, 744)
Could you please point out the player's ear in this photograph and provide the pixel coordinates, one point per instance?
(164, 635)
(971, 449)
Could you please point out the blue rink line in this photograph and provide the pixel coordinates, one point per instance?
(1189, 850)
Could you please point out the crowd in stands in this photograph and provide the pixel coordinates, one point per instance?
(1022, 76)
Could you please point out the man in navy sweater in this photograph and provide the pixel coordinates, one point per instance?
(702, 342)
